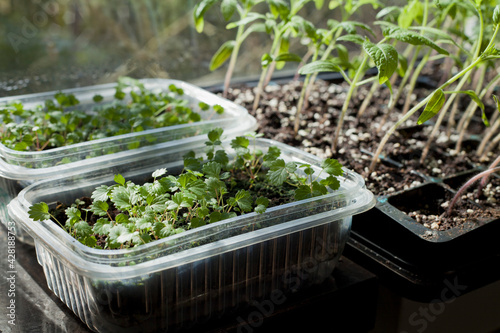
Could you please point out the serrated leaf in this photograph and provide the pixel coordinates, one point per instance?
(288, 57)
(83, 229)
(121, 197)
(119, 179)
(215, 217)
(199, 12)
(222, 54)
(318, 67)
(99, 208)
(357, 39)
(410, 37)
(197, 222)
(215, 135)
(332, 182)
(496, 15)
(251, 17)
(186, 179)
(472, 95)
(227, 8)
(198, 188)
(221, 157)
(212, 169)
(385, 57)
(433, 107)
(39, 211)
(143, 223)
(388, 10)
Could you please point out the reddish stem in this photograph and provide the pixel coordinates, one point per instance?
(471, 181)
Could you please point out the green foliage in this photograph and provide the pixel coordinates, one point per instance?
(62, 121)
(207, 191)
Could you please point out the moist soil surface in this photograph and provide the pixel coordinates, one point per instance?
(360, 137)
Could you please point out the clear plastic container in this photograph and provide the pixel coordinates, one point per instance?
(18, 169)
(198, 275)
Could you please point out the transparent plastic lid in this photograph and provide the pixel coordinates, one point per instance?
(30, 165)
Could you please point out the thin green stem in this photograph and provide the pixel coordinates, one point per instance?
(417, 107)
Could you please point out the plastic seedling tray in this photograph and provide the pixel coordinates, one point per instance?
(420, 258)
(18, 169)
(200, 274)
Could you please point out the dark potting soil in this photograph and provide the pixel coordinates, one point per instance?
(360, 136)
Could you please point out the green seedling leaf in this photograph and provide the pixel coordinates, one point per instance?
(410, 37)
(102, 226)
(212, 169)
(73, 215)
(350, 27)
(122, 197)
(197, 222)
(261, 205)
(219, 109)
(243, 199)
(221, 157)
(279, 8)
(251, 17)
(352, 38)
(318, 67)
(472, 95)
(119, 179)
(288, 57)
(272, 154)
(279, 171)
(186, 179)
(39, 212)
(215, 136)
(101, 193)
(159, 172)
(199, 12)
(332, 182)
(203, 106)
(222, 54)
(308, 191)
(100, 208)
(332, 167)
(385, 57)
(83, 229)
(389, 10)
(240, 145)
(228, 8)
(120, 234)
(433, 107)
(266, 60)
(97, 98)
(496, 15)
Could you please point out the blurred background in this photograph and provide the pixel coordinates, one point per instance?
(55, 44)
